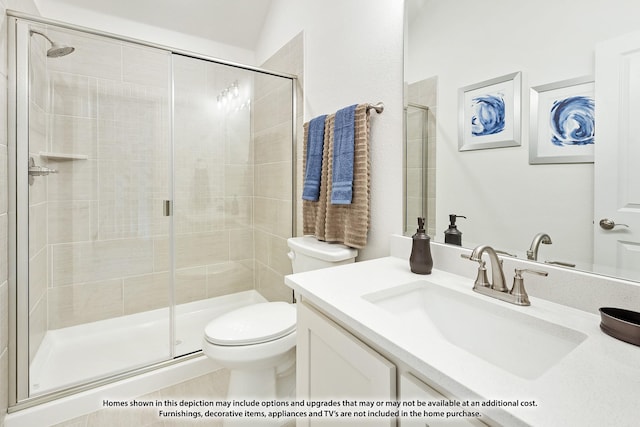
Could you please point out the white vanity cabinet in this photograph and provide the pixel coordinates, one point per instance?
(333, 365)
(413, 389)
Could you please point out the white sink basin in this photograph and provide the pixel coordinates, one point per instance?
(513, 341)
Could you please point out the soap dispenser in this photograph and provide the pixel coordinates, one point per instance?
(420, 260)
(452, 235)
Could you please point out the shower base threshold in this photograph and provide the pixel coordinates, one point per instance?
(81, 354)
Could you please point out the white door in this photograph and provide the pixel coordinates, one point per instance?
(617, 157)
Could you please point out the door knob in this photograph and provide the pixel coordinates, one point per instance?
(608, 224)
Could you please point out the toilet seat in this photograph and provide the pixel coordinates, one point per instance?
(254, 324)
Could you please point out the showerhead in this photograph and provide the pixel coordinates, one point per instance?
(56, 50)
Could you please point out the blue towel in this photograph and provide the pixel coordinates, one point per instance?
(343, 147)
(315, 146)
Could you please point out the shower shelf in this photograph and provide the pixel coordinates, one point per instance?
(63, 156)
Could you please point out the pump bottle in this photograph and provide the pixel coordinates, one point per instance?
(452, 235)
(420, 260)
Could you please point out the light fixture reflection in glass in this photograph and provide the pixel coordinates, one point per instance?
(228, 98)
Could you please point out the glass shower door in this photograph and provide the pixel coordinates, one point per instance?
(99, 245)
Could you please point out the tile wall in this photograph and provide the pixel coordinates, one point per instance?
(273, 157)
(214, 180)
(98, 222)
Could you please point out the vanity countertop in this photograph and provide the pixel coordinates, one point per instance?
(596, 384)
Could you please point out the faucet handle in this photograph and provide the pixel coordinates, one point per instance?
(472, 258)
(482, 280)
(519, 272)
(517, 290)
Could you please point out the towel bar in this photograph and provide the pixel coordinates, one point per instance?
(379, 107)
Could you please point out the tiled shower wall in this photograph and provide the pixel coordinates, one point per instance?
(273, 169)
(423, 93)
(101, 221)
(98, 222)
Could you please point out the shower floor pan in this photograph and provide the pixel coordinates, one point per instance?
(81, 354)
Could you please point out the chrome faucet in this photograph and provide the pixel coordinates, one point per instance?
(543, 238)
(497, 288)
(497, 275)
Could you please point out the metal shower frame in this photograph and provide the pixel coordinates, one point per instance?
(18, 86)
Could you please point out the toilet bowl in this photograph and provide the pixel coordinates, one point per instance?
(257, 342)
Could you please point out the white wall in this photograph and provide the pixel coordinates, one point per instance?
(353, 54)
(465, 42)
(86, 18)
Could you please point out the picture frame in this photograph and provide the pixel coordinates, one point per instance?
(562, 122)
(489, 113)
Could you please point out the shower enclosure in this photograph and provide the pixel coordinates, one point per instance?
(416, 119)
(141, 181)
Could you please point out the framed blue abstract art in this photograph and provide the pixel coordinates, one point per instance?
(562, 122)
(489, 114)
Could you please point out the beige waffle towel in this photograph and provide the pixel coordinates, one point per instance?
(346, 224)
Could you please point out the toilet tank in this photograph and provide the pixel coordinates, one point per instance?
(308, 253)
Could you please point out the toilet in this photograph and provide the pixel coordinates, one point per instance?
(257, 342)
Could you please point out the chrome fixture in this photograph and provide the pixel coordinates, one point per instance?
(497, 275)
(379, 107)
(497, 288)
(505, 253)
(561, 263)
(543, 238)
(56, 50)
(35, 170)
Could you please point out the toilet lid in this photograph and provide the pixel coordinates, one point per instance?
(253, 324)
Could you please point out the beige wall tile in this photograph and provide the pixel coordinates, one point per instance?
(192, 250)
(73, 95)
(75, 180)
(37, 228)
(38, 280)
(241, 244)
(146, 292)
(69, 221)
(238, 212)
(37, 327)
(278, 259)
(146, 66)
(271, 285)
(74, 135)
(38, 83)
(37, 131)
(262, 244)
(94, 56)
(238, 180)
(191, 284)
(229, 277)
(101, 260)
(88, 302)
(273, 180)
(273, 144)
(273, 216)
